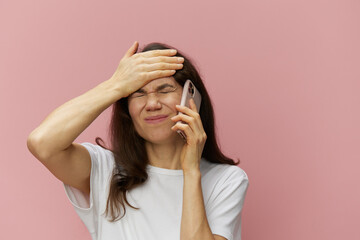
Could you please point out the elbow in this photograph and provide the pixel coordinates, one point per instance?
(34, 144)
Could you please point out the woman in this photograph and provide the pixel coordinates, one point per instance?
(152, 184)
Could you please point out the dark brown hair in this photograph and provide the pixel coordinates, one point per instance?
(129, 148)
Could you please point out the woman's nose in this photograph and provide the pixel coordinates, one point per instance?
(152, 102)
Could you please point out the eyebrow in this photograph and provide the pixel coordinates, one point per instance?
(162, 86)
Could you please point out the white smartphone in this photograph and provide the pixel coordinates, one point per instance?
(189, 91)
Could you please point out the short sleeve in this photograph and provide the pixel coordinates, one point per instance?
(225, 206)
(87, 207)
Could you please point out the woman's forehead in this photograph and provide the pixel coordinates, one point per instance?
(159, 81)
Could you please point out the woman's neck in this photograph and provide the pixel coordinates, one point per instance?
(165, 155)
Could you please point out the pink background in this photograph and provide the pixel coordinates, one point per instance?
(283, 76)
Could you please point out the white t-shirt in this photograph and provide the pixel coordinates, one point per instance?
(160, 201)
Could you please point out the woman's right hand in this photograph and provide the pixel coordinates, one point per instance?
(137, 69)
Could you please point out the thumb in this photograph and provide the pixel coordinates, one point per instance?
(132, 50)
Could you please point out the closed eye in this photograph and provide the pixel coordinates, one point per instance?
(138, 93)
(163, 89)
(167, 89)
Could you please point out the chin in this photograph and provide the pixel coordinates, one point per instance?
(162, 137)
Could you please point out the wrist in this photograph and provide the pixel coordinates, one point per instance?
(194, 173)
(113, 89)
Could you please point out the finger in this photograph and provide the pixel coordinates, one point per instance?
(160, 52)
(193, 113)
(164, 59)
(185, 128)
(132, 50)
(187, 111)
(162, 66)
(187, 120)
(158, 74)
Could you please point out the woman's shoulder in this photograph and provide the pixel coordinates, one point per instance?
(100, 155)
(222, 170)
(96, 149)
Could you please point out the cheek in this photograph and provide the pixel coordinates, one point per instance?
(133, 110)
(171, 103)
(176, 100)
(134, 114)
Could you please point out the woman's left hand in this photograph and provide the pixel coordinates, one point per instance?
(195, 136)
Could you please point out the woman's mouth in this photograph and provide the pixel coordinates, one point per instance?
(155, 119)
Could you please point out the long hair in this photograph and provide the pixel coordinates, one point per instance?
(128, 146)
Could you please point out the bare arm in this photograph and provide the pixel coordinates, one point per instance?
(52, 142)
(61, 127)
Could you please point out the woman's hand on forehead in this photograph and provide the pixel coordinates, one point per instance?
(137, 70)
